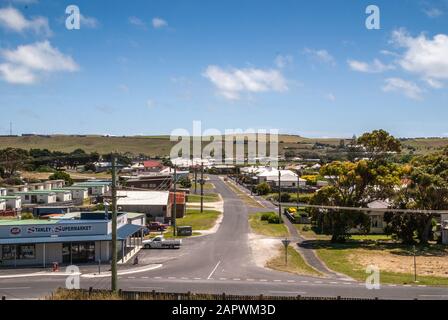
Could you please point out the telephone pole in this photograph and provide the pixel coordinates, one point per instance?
(114, 285)
(202, 187)
(195, 179)
(298, 186)
(279, 196)
(173, 218)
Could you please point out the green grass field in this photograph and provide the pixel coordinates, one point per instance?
(266, 229)
(209, 197)
(161, 145)
(198, 220)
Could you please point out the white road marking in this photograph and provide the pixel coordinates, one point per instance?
(197, 278)
(184, 278)
(304, 281)
(277, 280)
(291, 281)
(263, 280)
(222, 278)
(144, 277)
(236, 279)
(433, 295)
(295, 292)
(131, 277)
(214, 269)
(249, 279)
(157, 277)
(333, 282)
(317, 281)
(15, 288)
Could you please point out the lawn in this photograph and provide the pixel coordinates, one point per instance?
(295, 265)
(353, 258)
(266, 229)
(308, 233)
(207, 186)
(209, 197)
(198, 220)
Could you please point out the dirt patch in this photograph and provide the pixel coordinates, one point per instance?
(263, 249)
(388, 261)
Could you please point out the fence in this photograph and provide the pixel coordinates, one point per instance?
(93, 294)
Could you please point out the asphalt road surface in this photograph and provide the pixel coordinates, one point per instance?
(217, 263)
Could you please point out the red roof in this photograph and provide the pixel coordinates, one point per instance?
(152, 164)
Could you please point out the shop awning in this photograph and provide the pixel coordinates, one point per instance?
(127, 230)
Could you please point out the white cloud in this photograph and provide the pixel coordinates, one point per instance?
(408, 88)
(424, 56)
(282, 61)
(159, 23)
(27, 62)
(376, 66)
(434, 83)
(331, 97)
(89, 22)
(233, 82)
(13, 19)
(16, 74)
(433, 12)
(320, 55)
(137, 22)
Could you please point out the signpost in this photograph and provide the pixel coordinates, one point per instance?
(286, 243)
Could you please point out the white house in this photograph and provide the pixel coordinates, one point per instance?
(37, 197)
(78, 193)
(95, 188)
(444, 225)
(12, 202)
(2, 205)
(14, 189)
(62, 195)
(3, 191)
(288, 178)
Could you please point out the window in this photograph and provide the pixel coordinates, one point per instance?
(27, 198)
(20, 252)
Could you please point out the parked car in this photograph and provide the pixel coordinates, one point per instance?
(160, 242)
(156, 226)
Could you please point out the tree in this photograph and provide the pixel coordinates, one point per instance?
(185, 182)
(12, 159)
(263, 188)
(427, 190)
(61, 175)
(379, 143)
(352, 184)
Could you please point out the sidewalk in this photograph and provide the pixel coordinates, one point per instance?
(86, 271)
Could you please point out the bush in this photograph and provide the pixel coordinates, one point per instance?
(44, 169)
(185, 182)
(61, 175)
(263, 188)
(265, 216)
(306, 228)
(27, 216)
(275, 219)
(285, 197)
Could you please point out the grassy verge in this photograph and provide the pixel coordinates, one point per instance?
(306, 231)
(295, 265)
(207, 186)
(243, 196)
(64, 294)
(198, 220)
(338, 258)
(266, 229)
(210, 197)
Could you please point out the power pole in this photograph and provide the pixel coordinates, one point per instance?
(279, 196)
(10, 128)
(195, 180)
(114, 285)
(202, 187)
(298, 184)
(173, 218)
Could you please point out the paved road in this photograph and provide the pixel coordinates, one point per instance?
(217, 263)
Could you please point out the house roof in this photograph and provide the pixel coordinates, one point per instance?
(152, 164)
(142, 197)
(378, 204)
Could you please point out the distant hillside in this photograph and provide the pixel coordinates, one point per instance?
(161, 145)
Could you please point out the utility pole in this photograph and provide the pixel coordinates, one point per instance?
(114, 285)
(415, 266)
(173, 218)
(279, 196)
(195, 180)
(298, 186)
(10, 128)
(202, 187)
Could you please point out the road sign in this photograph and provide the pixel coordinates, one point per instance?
(286, 242)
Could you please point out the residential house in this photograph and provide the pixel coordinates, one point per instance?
(79, 194)
(3, 192)
(95, 188)
(37, 197)
(152, 166)
(12, 202)
(181, 203)
(156, 205)
(155, 181)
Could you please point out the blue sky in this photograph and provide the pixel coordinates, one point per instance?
(148, 67)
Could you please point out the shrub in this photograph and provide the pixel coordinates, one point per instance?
(27, 216)
(306, 228)
(263, 188)
(275, 219)
(265, 216)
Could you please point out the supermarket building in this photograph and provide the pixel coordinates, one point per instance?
(83, 239)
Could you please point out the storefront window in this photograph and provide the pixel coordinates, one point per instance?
(24, 252)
